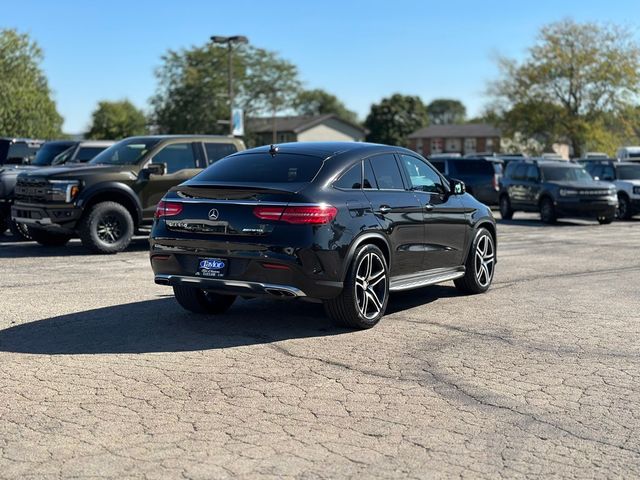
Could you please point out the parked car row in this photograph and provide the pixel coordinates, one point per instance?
(50, 153)
(113, 196)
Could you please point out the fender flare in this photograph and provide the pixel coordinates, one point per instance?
(359, 240)
(105, 187)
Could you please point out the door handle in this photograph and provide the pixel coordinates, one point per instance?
(384, 209)
(428, 207)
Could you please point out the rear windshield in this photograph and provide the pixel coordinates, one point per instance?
(471, 167)
(565, 174)
(262, 168)
(47, 152)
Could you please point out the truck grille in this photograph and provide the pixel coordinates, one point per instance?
(31, 189)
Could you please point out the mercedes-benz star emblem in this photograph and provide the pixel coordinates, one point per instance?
(213, 214)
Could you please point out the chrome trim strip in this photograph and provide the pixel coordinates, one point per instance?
(254, 286)
(425, 278)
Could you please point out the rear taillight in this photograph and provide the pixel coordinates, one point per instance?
(299, 215)
(168, 209)
(496, 182)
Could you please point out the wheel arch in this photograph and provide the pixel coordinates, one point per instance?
(112, 192)
(367, 238)
(489, 225)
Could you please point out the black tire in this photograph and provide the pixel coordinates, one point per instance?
(198, 300)
(480, 264)
(506, 212)
(49, 239)
(624, 207)
(20, 231)
(547, 211)
(364, 283)
(106, 228)
(4, 224)
(604, 220)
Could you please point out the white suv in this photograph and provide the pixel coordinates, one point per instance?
(626, 177)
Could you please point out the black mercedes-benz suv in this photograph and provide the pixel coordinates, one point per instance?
(339, 223)
(555, 189)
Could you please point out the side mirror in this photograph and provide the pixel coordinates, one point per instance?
(156, 168)
(457, 187)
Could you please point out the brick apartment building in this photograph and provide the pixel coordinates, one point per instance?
(463, 139)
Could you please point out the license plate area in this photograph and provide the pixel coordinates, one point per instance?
(212, 267)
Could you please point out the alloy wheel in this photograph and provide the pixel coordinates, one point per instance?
(109, 229)
(484, 260)
(622, 207)
(370, 285)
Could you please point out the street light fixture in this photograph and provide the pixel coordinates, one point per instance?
(229, 41)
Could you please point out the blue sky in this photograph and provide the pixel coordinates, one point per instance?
(358, 50)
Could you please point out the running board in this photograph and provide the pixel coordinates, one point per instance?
(425, 278)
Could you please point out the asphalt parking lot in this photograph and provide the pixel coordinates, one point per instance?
(103, 375)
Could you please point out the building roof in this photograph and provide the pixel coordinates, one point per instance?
(295, 124)
(462, 130)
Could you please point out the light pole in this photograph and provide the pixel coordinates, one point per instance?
(230, 41)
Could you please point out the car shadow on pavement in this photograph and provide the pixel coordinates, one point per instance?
(161, 325)
(10, 248)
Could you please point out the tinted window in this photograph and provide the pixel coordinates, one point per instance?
(216, 151)
(369, 180)
(126, 152)
(48, 151)
(386, 172)
(351, 179)
(565, 174)
(177, 156)
(629, 172)
(594, 170)
(439, 165)
(520, 172)
(471, 167)
(532, 173)
(263, 168)
(64, 156)
(87, 153)
(421, 176)
(608, 173)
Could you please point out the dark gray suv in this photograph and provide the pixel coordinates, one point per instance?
(555, 189)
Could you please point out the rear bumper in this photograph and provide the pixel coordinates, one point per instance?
(252, 269)
(59, 217)
(237, 287)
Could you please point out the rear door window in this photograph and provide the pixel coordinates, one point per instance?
(387, 173)
(216, 151)
(263, 168)
(369, 179)
(532, 173)
(176, 157)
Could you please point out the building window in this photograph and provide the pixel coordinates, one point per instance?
(419, 146)
(453, 145)
(489, 145)
(437, 145)
(469, 145)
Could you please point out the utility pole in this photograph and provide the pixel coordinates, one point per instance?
(230, 41)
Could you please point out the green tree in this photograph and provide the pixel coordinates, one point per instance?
(445, 111)
(26, 105)
(192, 95)
(320, 102)
(577, 73)
(394, 118)
(115, 120)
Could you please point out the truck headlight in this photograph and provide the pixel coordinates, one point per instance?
(567, 192)
(63, 190)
